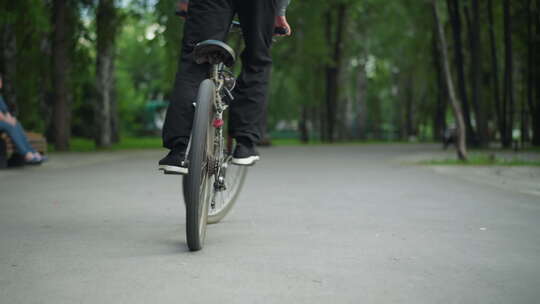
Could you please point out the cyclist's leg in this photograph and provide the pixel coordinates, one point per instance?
(207, 19)
(247, 111)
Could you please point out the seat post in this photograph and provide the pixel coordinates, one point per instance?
(215, 71)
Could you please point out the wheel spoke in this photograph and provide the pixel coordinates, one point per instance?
(225, 198)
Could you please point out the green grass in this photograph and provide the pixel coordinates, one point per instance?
(127, 143)
(499, 149)
(297, 142)
(78, 144)
(532, 149)
(482, 160)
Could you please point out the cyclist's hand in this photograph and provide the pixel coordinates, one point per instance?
(183, 8)
(281, 21)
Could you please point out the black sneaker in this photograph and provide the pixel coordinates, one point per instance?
(174, 162)
(245, 154)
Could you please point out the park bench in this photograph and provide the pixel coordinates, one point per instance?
(8, 157)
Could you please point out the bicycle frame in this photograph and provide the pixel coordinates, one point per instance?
(218, 74)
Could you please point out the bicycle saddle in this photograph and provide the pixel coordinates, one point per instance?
(214, 52)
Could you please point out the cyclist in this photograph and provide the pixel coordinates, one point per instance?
(210, 19)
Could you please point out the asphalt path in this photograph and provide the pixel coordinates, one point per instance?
(316, 224)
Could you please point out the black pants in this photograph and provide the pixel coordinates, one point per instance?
(210, 19)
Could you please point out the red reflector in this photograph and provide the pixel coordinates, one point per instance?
(218, 123)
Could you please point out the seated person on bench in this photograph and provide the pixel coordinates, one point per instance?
(13, 128)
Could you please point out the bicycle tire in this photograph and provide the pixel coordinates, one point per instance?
(234, 183)
(196, 183)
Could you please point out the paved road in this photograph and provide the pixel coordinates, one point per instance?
(318, 224)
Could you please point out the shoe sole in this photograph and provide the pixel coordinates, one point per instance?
(173, 170)
(248, 161)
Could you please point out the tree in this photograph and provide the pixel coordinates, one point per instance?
(508, 96)
(361, 101)
(439, 119)
(61, 45)
(534, 70)
(8, 41)
(106, 118)
(454, 11)
(335, 19)
(501, 119)
(353, 69)
(476, 74)
(456, 106)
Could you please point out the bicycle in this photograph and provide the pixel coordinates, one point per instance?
(213, 183)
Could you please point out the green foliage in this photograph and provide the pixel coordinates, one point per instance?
(29, 30)
(82, 80)
(390, 41)
(141, 68)
(170, 38)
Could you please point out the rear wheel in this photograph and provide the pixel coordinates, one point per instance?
(198, 184)
(233, 180)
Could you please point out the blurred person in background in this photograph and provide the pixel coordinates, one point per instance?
(10, 125)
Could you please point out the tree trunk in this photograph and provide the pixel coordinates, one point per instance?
(107, 25)
(508, 100)
(408, 119)
(456, 106)
(476, 75)
(534, 100)
(115, 120)
(46, 101)
(439, 119)
(9, 63)
(529, 76)
(455, 20)
(329, 106)
(333, 69)
(331, 102)
(8, 53)
(501, 119)
(347, 118)
(303, 124)
(61, 71)
(524, 125)
(361, 102)
(322, 123)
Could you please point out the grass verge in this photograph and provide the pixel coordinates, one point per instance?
(297, 142)
(483, 160)
(126, 143)
(78, 144)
